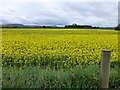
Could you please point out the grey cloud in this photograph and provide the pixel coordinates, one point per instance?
(61, 13)
(101, 12)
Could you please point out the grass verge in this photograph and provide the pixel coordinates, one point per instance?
(36, 77)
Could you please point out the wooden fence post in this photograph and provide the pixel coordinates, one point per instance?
(105, 68)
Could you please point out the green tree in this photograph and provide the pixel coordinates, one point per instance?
(118, 27)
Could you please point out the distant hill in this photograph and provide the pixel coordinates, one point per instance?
(25, 26)
(13, 25)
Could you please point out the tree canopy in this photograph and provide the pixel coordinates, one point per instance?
(118, 27)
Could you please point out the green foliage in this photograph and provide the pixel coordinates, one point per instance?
(36, 77)
(118, 27)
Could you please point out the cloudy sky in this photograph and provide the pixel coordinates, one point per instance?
(59, 12)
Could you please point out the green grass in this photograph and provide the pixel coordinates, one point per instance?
(37, 77)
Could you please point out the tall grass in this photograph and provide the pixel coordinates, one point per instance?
(37, 77)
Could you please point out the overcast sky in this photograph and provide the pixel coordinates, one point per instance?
(59, 12)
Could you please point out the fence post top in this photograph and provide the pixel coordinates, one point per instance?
(106, 50)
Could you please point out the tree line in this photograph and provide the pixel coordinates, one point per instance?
(74, 25)
(79, 26)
